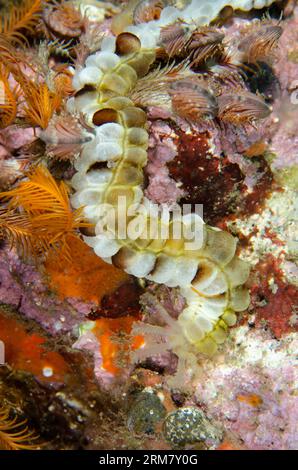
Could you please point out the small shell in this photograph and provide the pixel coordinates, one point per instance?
(127, 43)
(192, 101)
(242, 107)
(148, 10)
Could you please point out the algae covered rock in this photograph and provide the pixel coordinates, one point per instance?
(145, 412)
(190, 425)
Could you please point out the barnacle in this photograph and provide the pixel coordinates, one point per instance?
(227, 69)
(147, 10)
(242, 107)
(14, 434)
(65, 136)
(38, 218)
(64, 19)
(199, 46)
(21, 21)
(173, 38)
(204, 45)
(192, 101)
(155, 87)
(261, 43)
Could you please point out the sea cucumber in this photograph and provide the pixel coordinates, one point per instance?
(211, 277)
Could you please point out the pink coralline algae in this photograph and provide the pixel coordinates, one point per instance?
(88, 342)
(287, 65)
(285, 141)
(12, 141)
(251, 390)
(161, 187)
(24, 288)
(14, 137)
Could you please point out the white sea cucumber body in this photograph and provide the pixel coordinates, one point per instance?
(211, 276)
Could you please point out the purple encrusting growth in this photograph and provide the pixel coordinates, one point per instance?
(256, 366)
(14, 138)
(286, 66)
(285, 141)
(24, 288)
(88, 342)
(161, 187)
(170, 299)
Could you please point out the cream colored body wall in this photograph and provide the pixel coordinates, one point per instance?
(210, 277)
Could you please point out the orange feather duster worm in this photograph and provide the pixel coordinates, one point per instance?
(21, 20)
